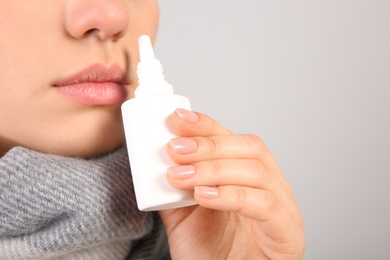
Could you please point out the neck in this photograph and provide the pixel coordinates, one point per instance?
(5, 145)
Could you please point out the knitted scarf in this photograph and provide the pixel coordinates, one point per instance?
(54, 207)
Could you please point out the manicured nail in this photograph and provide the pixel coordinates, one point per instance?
(181, 171)
(207, 192)
(183, 145)
(187, 115)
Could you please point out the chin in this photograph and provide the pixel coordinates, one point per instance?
(103, 134)
(91, 146)
(86, 133)
(93, 150)
(85, 150)
(84, 142)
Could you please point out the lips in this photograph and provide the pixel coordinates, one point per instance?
(95, 85)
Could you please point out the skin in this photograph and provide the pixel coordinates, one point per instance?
(48, 40)
(247, 204)
(246, 208)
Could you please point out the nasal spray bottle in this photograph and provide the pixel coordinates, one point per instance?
(147, 131)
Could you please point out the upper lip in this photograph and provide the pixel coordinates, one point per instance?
(96, 73)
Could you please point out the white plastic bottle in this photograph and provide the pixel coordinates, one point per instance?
(147, 131)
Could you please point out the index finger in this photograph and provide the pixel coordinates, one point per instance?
(188, 123)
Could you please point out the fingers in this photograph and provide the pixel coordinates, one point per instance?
(277, 217)
(210, 158)
(231, 173)
(188, 123)
(256, 204)
(221, 172)
(191, 149)
(203, 138)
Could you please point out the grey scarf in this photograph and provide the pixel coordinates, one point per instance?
(54, 207)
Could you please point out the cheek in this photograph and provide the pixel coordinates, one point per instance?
(25, 41)
(144, 18)
(26, 28)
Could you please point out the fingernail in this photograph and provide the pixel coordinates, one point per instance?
(206, 192)
(181, 171)
(183, 145)
(187, 115)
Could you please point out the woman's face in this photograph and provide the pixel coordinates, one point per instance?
(66, 66)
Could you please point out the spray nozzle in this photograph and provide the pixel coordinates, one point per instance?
(145, 49)
(151, 79)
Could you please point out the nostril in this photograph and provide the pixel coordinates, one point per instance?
(95, 32)
(118, 35)
(91, 32)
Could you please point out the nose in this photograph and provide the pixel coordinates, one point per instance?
(100, 19)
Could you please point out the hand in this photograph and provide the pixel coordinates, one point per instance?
(246, 208)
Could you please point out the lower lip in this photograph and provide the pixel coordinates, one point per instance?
(94, 93)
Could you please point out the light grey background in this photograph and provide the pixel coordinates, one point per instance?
(312, 78)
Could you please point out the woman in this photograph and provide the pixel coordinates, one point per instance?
(66, 67)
